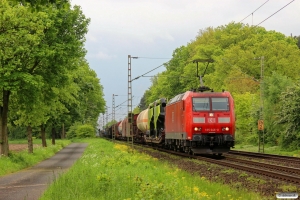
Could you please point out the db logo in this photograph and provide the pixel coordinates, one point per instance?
(211, 120)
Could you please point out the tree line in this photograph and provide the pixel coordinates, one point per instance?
(46, 82)
(259, 67)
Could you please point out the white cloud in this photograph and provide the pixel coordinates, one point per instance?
(103, 56)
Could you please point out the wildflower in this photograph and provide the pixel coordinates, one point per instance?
(196, 189)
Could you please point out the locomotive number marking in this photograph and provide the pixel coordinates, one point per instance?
(211, 120)
(211, 129)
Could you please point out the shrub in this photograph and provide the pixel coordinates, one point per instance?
(85, 131)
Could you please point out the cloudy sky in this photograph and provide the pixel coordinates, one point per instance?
(153, 29)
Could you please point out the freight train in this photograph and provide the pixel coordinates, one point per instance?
(192, 122)
(199, 121)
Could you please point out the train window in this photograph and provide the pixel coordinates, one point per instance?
(220, 103)
(201, 104)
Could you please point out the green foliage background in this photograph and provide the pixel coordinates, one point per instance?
(257, 66)
(44, 78)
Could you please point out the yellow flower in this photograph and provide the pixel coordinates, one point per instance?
(196, 189)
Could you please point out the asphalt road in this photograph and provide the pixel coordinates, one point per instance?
(30, 183)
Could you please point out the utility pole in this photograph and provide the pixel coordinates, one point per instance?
(113, 117)
(129, 103)
(262, 99)
(103, 123)
(106, 118)
(261, 114)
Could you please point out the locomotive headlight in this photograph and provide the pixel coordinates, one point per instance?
(225, 129)
(211, 114)
(197, 128)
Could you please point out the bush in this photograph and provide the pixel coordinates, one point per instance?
(290, 142)
(71, 133)
(81, 131)
(85, 131)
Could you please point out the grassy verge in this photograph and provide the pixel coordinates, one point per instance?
(267, 149)
(20, 160)
(113, 171)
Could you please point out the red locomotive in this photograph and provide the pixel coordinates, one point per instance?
(200, 122)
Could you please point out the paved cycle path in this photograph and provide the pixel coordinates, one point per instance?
(30, 183)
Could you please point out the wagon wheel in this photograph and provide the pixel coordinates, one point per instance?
(190, 152)
(174, 148)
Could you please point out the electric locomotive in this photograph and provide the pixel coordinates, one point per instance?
(200, 122)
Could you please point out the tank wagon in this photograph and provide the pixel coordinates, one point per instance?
(151, 122)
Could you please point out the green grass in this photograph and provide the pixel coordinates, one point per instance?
(111, 171)
(20, 160)
(267, 149)
(24, 141)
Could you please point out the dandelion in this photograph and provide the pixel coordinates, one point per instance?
(196, 189)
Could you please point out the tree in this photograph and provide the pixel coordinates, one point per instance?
(274, 86)
(298, 41)
(289, 117)
(44, 61)
(21, 31)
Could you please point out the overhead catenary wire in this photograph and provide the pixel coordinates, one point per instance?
(151, 58)
(275, 12)
(254, 11)
(147, 72)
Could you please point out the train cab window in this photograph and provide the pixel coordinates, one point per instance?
(220, 103)
(200, 104)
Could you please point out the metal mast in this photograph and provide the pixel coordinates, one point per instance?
(113, 117)
(129, 102)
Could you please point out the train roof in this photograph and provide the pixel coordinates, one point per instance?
(187, 94)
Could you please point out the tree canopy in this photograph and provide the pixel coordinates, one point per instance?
(43, 75)
(248, 60)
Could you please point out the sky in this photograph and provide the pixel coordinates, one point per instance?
(153, 29)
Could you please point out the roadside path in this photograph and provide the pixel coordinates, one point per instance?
(29, 184)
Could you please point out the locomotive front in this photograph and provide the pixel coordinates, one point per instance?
(213, 122)
(201, 122)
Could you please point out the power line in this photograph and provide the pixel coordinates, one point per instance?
(147, 72)
(276, 12)
(254, 11)
(152, 58)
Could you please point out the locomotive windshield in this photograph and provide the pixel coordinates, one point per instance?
(203, 104)
(220, 103)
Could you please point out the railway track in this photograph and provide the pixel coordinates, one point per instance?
(289, 159)
(287, 174)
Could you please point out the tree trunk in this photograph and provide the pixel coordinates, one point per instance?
(53, 136)
(4, 116)
(43, 135)
(63, 134)
(1, 111)
(29, 138)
